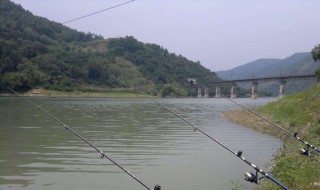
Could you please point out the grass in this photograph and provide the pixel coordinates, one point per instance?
(297, 113)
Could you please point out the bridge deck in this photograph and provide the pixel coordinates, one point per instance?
(265, 79)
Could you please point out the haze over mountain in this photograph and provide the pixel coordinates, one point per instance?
(37, 52)
(296, 64)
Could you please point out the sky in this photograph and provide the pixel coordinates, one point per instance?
(220, 34)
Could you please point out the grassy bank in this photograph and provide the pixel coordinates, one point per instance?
(296, 113)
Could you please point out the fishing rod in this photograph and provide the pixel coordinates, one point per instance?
(103, 155)
(304, 151)
(98, 12)
(250, 177)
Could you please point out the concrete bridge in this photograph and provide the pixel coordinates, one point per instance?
(254, 89)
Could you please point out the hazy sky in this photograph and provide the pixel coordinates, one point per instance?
(221, 34)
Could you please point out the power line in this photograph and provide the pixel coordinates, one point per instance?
(98, 12)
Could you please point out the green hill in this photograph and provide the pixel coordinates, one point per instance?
(37, 52)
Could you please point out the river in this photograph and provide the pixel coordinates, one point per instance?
(38, 153)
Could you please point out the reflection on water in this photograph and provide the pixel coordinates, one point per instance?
(38, 153)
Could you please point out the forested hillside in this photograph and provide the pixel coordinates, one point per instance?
(36, 52)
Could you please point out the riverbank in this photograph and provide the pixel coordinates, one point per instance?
(41, 92)
(244, 118)
(296, 113)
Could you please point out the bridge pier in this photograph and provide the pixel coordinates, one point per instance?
(233, 91)
(281, 90)
(254, 90)
(199, 92)
(218, 92)
(206, 92)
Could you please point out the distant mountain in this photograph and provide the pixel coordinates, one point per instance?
(252, 69)
(297, 64)
(36, 52)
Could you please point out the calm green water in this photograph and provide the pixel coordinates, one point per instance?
(37, 153)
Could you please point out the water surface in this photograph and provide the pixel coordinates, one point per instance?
(38, 153)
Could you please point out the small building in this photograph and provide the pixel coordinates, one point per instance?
(192, 81)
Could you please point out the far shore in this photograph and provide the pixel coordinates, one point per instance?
(56, 94)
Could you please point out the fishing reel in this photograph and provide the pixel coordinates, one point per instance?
(157, 187)
(252, 178)
(303, 151)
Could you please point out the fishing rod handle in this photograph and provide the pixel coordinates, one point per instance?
(305, 142)
(277, 182)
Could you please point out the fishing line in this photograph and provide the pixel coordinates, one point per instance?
(98, 12)
(103, 155)
(304, 151)
(251, 177)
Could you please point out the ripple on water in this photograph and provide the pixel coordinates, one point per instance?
(144, 138)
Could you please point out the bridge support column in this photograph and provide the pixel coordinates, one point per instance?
(281, 91)
(254, 90)
(206, 92)
(199, 92)
(218, 92)
(233, 91)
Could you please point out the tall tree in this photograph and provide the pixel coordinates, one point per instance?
(316, 56)
(316, 52)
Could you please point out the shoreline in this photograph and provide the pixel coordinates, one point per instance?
(246, 119)
(297, 113)
(57, 94)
